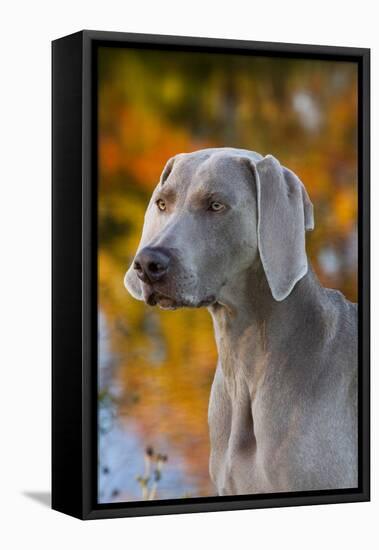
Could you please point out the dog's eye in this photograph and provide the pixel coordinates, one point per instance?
(161, 204)
(216, 206)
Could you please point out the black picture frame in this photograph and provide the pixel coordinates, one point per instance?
(74, 272)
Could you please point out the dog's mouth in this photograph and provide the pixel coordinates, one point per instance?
(162, 301)
(154, 297)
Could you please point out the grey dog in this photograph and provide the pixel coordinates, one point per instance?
(225, 229)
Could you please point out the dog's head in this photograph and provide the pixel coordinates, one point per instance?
(214, 214)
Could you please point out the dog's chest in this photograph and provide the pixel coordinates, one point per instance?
(238, 385)
(233, 462)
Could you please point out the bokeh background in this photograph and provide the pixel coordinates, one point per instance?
(155, 367)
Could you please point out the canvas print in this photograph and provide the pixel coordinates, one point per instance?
(227, 274)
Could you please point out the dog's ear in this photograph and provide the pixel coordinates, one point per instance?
(285, 212)
(167, 170)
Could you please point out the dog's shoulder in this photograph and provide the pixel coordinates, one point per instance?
(347, 312)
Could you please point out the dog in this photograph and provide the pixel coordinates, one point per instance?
(225, 229)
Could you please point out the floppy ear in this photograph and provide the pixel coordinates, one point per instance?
(285, 212)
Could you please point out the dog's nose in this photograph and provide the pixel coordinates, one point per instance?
(151, 264)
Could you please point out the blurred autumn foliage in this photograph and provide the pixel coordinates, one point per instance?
(153, 104)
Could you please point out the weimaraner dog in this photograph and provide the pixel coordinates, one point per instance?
(225, 229)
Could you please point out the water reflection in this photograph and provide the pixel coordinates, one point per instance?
(122, 447)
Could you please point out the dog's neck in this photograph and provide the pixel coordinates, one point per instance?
(250, 325)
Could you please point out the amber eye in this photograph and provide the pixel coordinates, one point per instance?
(161, 204)
(216, 206)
